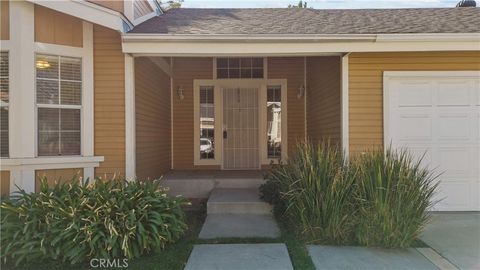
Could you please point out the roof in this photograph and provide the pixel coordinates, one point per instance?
(276, 21)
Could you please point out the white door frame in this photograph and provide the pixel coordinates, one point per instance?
(219, 85)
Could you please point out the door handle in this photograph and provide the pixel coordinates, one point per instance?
(224, 134)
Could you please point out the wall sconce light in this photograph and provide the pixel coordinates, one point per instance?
(301, 92)
(180, 93)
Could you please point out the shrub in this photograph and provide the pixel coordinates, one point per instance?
(74, 222)
(317, 192)
(394, 193)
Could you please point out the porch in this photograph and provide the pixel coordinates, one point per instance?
(217, 122)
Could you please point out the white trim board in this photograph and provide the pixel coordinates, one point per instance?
(282, 48)
(344, 105)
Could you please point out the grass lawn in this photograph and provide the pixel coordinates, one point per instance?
(175, 256)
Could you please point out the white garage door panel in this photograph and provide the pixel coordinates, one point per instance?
(436, 116)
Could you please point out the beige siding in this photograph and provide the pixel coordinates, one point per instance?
(185, 70)
(291, 68)
(109, 115)
(5, 20)
(323, 98)
(366, 87)
(4, 183)
(116, 5)
(57, 176)
(152, 111)
(57, 28)
(141, 8)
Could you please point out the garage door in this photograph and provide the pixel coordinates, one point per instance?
(438, 114)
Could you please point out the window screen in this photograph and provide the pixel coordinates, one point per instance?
(59, 100)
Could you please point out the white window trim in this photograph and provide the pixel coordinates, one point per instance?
(218, 116)
(218, 85)
(23, 118)
(85, 53)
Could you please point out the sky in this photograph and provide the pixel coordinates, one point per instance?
(320, 4)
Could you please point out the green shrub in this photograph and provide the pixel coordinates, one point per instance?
(317, 191)
(394, 193)
(73, 222)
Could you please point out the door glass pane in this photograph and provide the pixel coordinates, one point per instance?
(207, 123)
(274, 124)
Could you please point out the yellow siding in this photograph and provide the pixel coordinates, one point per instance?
(57, 176)
(323, 98)
(4, 183)
(141, 8)
(291, 68)
(116, 5)
(185, 70)
(5, 20)
(57, 28)
(366, 87)
(152, 111)
(109, 74)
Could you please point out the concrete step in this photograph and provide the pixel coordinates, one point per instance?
(237, 201)
(239, 226)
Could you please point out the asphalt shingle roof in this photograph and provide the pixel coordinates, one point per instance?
(312, 21)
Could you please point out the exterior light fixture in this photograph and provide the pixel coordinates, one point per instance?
(42, 64)
(301, 92)
(180, 93)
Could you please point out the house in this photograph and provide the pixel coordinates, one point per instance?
(104, 88)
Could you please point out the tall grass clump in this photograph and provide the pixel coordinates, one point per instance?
(74, 222)
(316, 191)
(393, 195)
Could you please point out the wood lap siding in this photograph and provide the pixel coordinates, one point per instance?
(5, 20)
(4, 183)
(109, 84)
(141, 8)
(57, 28)
(152, 111)
(185, 70)
(116, 5)
(291, 68)
(323, 98)
(57, 176)
(366, 87)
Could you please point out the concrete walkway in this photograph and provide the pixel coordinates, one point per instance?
(346, 257)
(239, 257)
(455, 236)
(239, 225)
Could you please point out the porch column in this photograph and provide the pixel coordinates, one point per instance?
(130, 162)
(22, 93)
(344, 102)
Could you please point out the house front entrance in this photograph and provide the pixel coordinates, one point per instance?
(238, 122)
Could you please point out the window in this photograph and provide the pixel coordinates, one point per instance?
(207, 123)
(240, 68)
(4, 101)
(274, 122)
(59, 103)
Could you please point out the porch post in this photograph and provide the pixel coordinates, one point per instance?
(130, 162)
(344, 101)
(22, 93)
